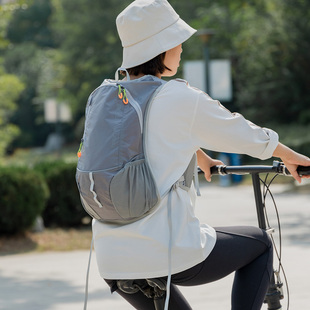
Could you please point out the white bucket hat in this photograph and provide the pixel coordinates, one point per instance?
(148, 28)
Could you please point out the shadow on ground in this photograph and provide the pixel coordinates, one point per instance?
(42, 294)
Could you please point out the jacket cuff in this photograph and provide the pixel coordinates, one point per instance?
(272, 144)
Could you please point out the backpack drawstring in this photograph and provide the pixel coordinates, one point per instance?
(174, 186)
(196, 180)
(87, 274)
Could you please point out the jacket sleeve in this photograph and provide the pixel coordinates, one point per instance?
(216, 128)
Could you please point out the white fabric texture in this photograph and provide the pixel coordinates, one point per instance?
(148, 28)
(182, 119)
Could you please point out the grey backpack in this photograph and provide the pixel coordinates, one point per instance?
(113, 176)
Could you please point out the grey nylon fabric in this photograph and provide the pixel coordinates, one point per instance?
(133, 190)
(112, 134)
(113, 177)
(189, 173)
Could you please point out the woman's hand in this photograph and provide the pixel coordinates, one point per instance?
(205, 162)
(292, 160)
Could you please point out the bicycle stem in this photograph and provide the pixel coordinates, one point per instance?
(259, 201)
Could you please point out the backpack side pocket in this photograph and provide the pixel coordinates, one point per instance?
(133, 191)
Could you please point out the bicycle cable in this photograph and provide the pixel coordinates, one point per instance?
(266, 191)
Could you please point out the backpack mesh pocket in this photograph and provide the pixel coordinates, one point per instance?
(133, 191)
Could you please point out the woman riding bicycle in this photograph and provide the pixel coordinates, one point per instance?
(182, 120)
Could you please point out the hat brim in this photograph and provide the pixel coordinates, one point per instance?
(153, 46)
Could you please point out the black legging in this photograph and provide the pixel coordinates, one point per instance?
(246, 250)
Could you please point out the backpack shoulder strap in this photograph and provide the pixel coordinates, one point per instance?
(189, 175)
(191, 172)
(146, 115)
(149, 103)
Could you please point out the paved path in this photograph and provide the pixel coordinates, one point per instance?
(55, 281)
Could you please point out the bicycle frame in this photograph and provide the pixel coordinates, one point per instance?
(274, 293)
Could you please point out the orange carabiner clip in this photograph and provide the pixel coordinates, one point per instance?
(79, 153)
(120, 94)
(125, 99)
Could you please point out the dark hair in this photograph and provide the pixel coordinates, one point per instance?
(152, 67)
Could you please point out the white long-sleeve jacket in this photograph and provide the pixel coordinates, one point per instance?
(182, 119)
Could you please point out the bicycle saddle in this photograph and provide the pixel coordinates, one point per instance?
(152, 288)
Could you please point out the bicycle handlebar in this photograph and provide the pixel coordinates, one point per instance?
(277, 167)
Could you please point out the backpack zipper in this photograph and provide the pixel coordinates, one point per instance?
(126, 97)
(79, 152)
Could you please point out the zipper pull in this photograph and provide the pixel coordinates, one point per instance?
(125, 99)
(122, 94)
(79, 153)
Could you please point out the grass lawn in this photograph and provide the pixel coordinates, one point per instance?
(49, 240)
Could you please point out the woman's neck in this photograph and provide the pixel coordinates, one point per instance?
(134, 77)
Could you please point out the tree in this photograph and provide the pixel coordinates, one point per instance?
(10, 89)
(76, 46)
(89, 46)
(30, 23)
(273, 82)
(296, 32)
(30, 37)
(268, 44)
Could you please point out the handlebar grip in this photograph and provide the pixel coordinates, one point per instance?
(213, 170)
(303, 170)
(217, 169)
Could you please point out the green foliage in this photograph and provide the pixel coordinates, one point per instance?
(4, 18)
(64, 208)
(29, 35)
(31, 24)
(23, 194)
(10, 86)
(90, 48)
(50, 84)
(268, 43)
(273, 83)
(10, 89)
(295, 136)
(27, 62)
(64, 49)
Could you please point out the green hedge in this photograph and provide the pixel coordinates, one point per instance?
(64, 207)
(23, 196)
(295, 136)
